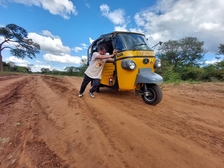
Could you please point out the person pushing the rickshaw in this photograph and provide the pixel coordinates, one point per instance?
(95, 68)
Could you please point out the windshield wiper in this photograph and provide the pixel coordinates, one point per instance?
(140, 44)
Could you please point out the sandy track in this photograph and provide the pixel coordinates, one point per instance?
(44, 124)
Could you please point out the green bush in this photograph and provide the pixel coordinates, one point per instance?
(213, 73)
(220, 74)
(191, 73)
(171, 76)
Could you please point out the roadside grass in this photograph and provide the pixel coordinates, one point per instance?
(191, 82)
(6, 73)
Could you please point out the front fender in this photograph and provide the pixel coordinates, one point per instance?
(146, 75)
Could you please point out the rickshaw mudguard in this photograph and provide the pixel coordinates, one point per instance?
(146, 75)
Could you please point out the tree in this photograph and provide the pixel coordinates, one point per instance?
(170, 52)
(184, 52)
(193, 51)
(214, 72)
(15, 38)
(77, 71)
(11, 65)
(83, 67)
(45, 70)
(29, 68)
(221, 49)
(72, 70)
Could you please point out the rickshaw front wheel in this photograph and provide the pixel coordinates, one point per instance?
(152, 94)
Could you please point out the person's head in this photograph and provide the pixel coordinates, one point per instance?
(102, 49)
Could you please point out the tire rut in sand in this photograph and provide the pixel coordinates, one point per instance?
(43, 123)
(11, 92)
(5, 78)
(166, 119)
(70, 128)
(22, 118)
(105, 143)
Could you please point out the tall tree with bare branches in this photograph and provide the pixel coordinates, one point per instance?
(15, 38)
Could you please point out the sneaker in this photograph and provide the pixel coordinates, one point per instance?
(80, 95)
(91, 94)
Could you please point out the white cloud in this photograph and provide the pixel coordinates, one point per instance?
(57, 7)
(84, 46)
(136, 30)
(37, 68)
(84, 57)
(139, 21)
(6, 44)
(175, 19)
(49, 44)
(62, 59)
(87, 4)
(90, 40)
(49, 34)
(116, 16)
(215, 60)
(77, 49)
(54, 49)
(1, 38)
(17, 61)
(120, 28)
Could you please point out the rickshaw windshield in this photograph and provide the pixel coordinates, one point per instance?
(130, 41)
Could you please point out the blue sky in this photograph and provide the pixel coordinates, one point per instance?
(64, 29)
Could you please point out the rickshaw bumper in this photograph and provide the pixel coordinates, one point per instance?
(146, 75)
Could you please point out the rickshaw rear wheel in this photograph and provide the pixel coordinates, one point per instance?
(152, 94)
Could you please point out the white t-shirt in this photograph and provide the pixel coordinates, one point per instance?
(95, 67)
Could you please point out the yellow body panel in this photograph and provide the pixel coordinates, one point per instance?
(107, 72)
(126, 78)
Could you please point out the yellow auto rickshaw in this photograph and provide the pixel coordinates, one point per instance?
(134, 66)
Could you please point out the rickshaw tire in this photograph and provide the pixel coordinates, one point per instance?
(156, 92)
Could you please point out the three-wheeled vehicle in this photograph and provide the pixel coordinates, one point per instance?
(134, 66)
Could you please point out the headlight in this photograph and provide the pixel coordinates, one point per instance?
(157, 63)
(128, 64)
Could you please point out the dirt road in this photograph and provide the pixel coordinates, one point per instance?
(44, 124)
